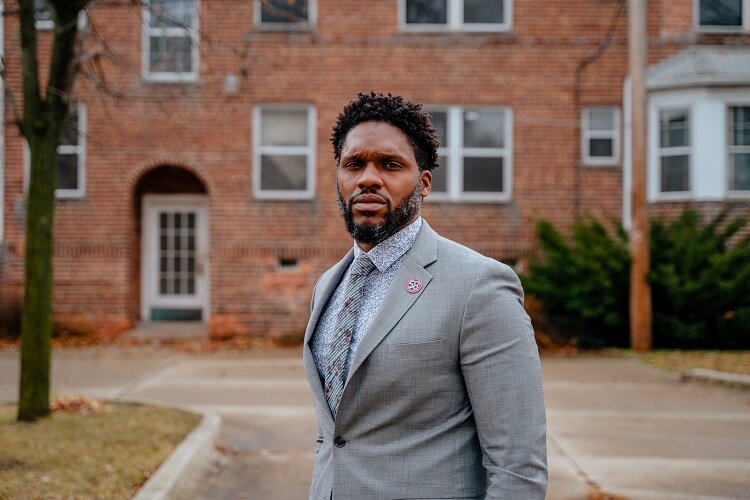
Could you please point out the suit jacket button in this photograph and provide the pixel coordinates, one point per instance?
(339, 442)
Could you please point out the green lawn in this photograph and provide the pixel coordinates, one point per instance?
(108, 453)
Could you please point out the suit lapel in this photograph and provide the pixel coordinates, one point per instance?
(398, 300)
(327, 287)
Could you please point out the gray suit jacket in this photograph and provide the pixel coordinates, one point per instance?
(444, 396)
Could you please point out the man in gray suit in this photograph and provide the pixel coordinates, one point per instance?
(421, 359)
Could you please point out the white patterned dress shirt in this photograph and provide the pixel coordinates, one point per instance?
(387, 257)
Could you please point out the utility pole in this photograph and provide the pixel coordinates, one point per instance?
(640, 291)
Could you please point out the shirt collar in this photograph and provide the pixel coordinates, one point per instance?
(390, 250)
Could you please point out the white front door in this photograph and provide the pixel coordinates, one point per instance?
(174, 258)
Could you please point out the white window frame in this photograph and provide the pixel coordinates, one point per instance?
(308, 151)
(306, 26)
(731, 148)
(675, 151)
(193, 32)
(79, 149)
(588, 134)
(720, 29)
(44, 24)
(455, 19)
(454, 153)
(49, 24)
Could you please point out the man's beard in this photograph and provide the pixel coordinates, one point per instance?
(394, 220)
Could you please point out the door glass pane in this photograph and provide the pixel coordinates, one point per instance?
(483, 129)
(163, 286)
(191, 286)
(483, 175)
(721, 12)
(740, 172)
(191, 220)
(283, 172)
(600, 148)
(674, 173)
(674, 128)
(283, 11)
(483, 11)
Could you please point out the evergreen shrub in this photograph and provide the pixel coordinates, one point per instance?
(700, 282)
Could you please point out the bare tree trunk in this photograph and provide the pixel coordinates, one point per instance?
(36, 321)
(43, 120)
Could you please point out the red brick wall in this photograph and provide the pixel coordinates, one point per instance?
(356, 46)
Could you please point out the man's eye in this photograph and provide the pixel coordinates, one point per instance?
(351, 164)
(392, 165)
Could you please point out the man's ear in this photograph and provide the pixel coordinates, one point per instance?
(425, 178)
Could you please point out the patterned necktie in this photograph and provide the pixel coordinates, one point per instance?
(335, 372)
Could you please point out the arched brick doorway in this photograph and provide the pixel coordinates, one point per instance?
(171, 246)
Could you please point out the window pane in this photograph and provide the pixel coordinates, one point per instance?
(740, 126)
(600, 148)
(601, 119)
(440, 176)
(426, 11)
(721, 12)
(67, 171)
(283, 11)
(440, 122)
(674, 128)
(171, 54)
(483, 11)
(483, 129)
(674, 173)
(740, 172)
(283, 172)
(172, 13)
(41, 11)
(283, 128)
(70, 133)
(483, 174)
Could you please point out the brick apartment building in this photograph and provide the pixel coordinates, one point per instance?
(197, 181)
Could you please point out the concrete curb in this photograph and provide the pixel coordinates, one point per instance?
(189, 454)
(717, 377)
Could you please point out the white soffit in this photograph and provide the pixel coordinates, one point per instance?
(702, 66)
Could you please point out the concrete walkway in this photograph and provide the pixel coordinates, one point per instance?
(614, 424)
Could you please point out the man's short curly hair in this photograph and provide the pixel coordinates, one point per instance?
(408, 116)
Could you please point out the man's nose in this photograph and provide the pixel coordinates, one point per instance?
(370, 177)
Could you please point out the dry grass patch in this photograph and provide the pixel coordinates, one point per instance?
(107, 451)
(680, 361)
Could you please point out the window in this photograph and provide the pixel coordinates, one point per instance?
(284, 14)
(674, 150)
(457, 15)
(71, 157)
(43, 16)
(170, 40)
(600, 136)
(475, 157)
(739, 148)
(722, 15)
(284, 151)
